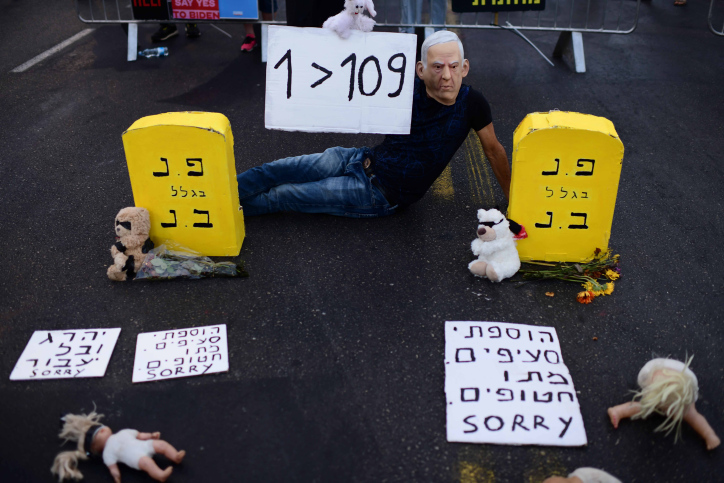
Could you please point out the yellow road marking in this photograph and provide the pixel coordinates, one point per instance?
(443, 186)
(479, 172)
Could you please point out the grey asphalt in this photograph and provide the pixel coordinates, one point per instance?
(336, 338)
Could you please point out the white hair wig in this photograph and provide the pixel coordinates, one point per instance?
(440, 37)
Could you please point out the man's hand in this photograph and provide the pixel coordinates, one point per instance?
(497, 158)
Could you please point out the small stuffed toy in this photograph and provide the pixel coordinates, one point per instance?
(585, 475)
(495, 246)
(127, 446)
(670, 388)
(351, 18)
(132, 243)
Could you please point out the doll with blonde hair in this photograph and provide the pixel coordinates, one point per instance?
(127, 446)
(669, 388)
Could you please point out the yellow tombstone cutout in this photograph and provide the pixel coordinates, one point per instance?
(182, 171)
(566, 168)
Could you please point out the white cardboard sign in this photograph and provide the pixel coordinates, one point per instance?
(169, 354)
(65, 354)
(319, 82)
(507, 384)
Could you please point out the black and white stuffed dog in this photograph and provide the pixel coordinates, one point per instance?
(495, 246)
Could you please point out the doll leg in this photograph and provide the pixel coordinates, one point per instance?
(149, 466)
(701, 426)
(162, 447)
(623, 411)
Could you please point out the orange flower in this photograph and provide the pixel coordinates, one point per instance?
(585, 297)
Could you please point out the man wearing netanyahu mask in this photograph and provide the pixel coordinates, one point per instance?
(371, 182)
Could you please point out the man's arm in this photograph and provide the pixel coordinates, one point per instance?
(495, 153)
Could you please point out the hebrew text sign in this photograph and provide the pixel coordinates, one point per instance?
(169, 354)
(497, 5)
(61, 354)
(507, 384)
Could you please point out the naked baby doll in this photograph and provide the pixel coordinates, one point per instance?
(585, 475)
(670, 388)
(127, 446)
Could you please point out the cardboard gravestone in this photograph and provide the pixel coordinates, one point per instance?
(319, 82)
(566, 169)
(182, 171)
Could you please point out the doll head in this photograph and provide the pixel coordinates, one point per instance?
(670, 393)
(81, 428)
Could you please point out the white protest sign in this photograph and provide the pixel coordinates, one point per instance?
(169, 354)
(318, 82)
(62, 354)
(507, 384)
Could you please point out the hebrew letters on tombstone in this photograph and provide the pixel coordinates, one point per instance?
(182, 171)
(566, 169)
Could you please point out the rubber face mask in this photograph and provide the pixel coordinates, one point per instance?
(444, 72)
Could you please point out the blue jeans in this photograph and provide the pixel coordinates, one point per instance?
(332, 182)
(411, 11)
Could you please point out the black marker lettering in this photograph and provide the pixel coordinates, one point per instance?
(288, 58)
(565, 425)
(518, 421)
(400, 70)
(500, 423)
(475, 428)
(538, 421)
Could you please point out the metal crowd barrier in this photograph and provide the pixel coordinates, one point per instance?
(569, 17)
(719, 32)
(599, 16)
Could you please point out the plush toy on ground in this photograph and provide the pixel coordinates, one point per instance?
(670, 388)
(351, 18)
(127, 446)
(495, 246)
(132, 243)
(585, 475)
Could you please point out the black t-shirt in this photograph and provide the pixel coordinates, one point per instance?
(408, 164)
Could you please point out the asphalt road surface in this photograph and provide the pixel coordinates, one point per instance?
(336, 338)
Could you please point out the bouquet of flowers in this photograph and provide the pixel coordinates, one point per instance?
(163, 263)
(596, 275)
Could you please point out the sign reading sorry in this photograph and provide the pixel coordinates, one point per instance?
(318, 82)
(507, 384)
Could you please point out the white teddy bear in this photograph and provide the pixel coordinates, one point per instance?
(495, 246)
(351, 18)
